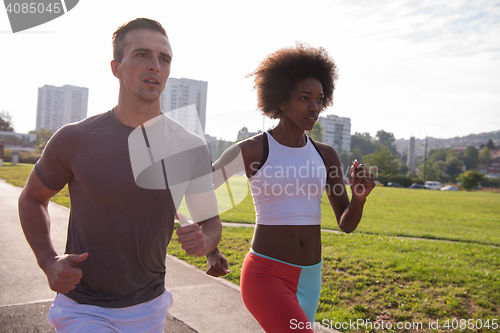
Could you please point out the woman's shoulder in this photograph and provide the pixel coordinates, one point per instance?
(252, 143)
(328, 153)
(252, 150)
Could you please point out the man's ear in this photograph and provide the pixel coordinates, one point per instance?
(114, 68)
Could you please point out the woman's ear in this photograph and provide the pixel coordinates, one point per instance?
(282, 106)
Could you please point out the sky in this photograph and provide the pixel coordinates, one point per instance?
(408, 67)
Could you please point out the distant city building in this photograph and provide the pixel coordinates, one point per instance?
(245, 134)
(178, 95)
(58, 106)
(411, 154)
(492, 169)
(216, 147)
(337, 132)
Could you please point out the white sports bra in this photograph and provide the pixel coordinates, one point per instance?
(288, 185)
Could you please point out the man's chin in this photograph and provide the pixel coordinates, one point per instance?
(150, 96)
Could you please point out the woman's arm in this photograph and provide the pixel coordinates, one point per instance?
(348, 214)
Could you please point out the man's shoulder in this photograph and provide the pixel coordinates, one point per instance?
(84, 125)
(71, 134)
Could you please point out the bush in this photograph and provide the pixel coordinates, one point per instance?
(29, 157)
(470, 179)
(491, 182)
(403, 180)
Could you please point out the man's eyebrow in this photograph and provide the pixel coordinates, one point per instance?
(163, 54)
(145, 49)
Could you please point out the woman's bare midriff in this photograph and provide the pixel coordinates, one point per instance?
(298, 245)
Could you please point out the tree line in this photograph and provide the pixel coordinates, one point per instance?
(444, 164)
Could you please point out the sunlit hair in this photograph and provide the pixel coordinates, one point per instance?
(119, 35)
(278, 74)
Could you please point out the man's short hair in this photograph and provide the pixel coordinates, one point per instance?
(120, 34)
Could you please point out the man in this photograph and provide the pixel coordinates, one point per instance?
(112, 277)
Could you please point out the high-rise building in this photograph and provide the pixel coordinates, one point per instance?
(178, 95)
(58, 106)
(337, 132)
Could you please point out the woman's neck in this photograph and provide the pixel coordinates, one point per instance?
(289, 136)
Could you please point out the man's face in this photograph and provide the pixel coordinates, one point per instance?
(145, 66)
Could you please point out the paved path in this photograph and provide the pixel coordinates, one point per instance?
(201, 303)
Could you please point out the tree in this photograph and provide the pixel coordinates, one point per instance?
(316, 133)
(384, 161)
(387, 140)
(403, 169)
(356, 154)
(437, 155)
(438, 169)
(485, 156)
(430, 173)
(42, 136)
(453, 167)
(345, 160)
(471, 157)
(490, 144)
(361, 145)
(6, 122)
(470, 179)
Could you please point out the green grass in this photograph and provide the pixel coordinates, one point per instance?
(15, 174)
(459, 216)
(393, 279)
(18, 174)
(373, 275)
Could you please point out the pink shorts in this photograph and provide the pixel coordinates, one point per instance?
(66, 315)
(280, 295)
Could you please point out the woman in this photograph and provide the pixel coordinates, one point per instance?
(288, 173)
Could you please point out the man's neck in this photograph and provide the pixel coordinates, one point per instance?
(136, 114)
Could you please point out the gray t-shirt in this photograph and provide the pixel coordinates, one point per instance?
(125, 228)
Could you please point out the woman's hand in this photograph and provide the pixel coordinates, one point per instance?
(362, 182)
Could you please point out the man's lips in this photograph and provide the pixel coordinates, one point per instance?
(152, 80)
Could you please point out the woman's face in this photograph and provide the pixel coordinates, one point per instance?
(304, 104)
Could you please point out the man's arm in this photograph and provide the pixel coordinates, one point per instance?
(203, 236)
(33, 213)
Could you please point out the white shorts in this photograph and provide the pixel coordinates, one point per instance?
(66, 315)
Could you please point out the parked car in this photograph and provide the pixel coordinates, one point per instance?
(377, 183)
(449, 188)
(416, 185)
(394, 184)
(433, 185)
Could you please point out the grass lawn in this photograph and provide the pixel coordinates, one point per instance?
(18, 174)
(372, 275)
(375, 278)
